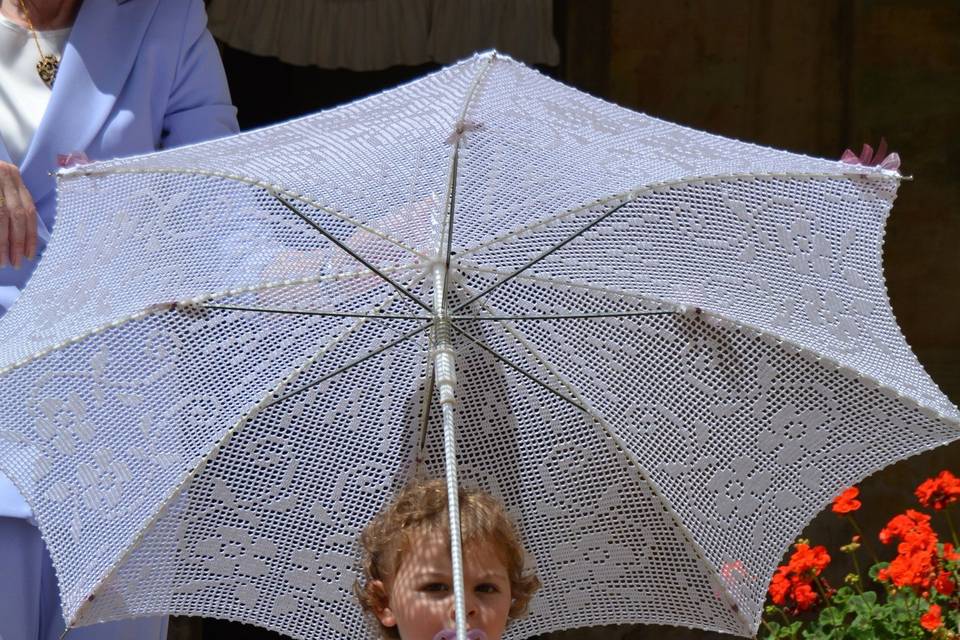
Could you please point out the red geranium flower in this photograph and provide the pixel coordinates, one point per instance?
(780, 587)
(940, 491)
(789, 589)
(914, 570)
(931, 620)
(911, 525)
(791, 584)
(804, 595)
(944, 584)
(949, 553)
(916, 562)
(847, 501)
(809, 561)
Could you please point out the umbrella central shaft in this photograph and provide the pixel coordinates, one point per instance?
(445, 377)
(443, 363)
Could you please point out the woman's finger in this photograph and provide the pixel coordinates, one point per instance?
(16, 228)
(17, 231)
(30, 221)
(10, 197)
(18, 216)
(4, 235)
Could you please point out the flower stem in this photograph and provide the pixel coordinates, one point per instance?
(863, 539)
(823, 592)
(953, 530)
(786, 621)
(856, 565)
(769, 628)
(783, 613)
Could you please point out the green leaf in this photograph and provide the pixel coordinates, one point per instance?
(817, 633)
(790, 630)
(875, 569)
(861, 632)
(859, 605)
(842, 595)
(831, 617)
(769, 629)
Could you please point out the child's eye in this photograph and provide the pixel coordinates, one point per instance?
(434, 587)
(487, 588)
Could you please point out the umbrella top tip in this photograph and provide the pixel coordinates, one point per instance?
(493, 55)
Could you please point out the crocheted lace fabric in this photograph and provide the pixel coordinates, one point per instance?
(673, 349)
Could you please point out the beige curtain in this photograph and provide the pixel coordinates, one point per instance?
(366, 35)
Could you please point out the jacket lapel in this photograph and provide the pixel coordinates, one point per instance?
(100, 52)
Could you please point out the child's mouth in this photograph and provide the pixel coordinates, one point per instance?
(451, 634)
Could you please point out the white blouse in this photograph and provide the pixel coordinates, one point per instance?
(23, 95)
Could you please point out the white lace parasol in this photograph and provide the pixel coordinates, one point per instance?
(670, 349)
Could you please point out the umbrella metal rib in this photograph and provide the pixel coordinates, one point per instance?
(553, 281)
(272, 189)
(353, 363)
(424, 421)
(571, 316)
(598, 419)
(543, 222)
(329, 236)
(263, 404)
(651, 187)
(310, 312)
(518, 368)
(543, 255)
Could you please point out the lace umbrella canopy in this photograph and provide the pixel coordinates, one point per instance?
(671, 350)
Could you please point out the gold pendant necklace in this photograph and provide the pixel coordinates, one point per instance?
(49, 63)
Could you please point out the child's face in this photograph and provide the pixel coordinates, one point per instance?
(420, 596)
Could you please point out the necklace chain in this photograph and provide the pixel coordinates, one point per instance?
(49, 63)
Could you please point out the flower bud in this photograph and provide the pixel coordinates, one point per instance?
(850, 548)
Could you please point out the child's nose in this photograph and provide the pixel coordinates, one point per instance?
(469, 606)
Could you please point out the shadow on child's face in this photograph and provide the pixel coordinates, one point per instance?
(420, 596)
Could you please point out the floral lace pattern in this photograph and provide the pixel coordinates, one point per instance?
(672, 350)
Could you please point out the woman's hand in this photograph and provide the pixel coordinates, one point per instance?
(18, 218)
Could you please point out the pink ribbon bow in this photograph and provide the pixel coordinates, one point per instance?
(461, 128)
(72, 159)
(868, 158)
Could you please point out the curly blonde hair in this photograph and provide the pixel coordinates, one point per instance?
(422, 507)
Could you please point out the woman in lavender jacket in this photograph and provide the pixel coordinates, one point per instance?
(133, 76)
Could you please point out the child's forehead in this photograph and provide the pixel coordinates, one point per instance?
(429, 550)
(434, 534)
(435, 538)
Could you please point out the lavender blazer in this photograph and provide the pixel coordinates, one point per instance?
(136, 76)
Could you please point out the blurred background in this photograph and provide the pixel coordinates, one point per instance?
(813, 77)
